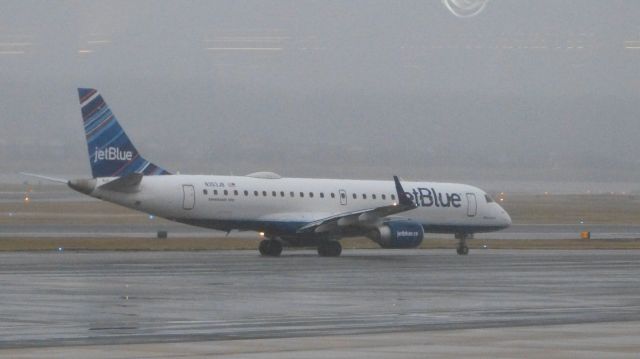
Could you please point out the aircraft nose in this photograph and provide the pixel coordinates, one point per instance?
(502, 218)
(506, 219)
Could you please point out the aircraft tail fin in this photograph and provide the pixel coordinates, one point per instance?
(111, 153)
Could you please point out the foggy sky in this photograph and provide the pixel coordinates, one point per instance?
(524, 91)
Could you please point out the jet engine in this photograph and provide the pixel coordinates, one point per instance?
(398, 234)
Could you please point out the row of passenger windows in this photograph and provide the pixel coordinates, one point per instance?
(292, 194)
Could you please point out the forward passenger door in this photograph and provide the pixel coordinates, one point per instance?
(472, 208)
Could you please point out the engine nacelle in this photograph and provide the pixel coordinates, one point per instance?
(398, 234)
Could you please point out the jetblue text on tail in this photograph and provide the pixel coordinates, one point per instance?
(112, 154)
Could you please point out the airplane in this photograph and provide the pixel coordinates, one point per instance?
(287, 212)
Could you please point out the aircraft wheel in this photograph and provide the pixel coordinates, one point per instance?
(462, 250)
(330, 249)
(270, 248)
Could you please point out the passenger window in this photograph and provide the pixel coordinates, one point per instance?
(393, 197)
(292, 194)
(384, 196)
(343, 195)
(255, 193)
(226, 192)
(333, 195)
(310, 194)
(235, 192)
(215, 192)
(273, 193)
(355, 196)
(364, 196)
(204, 191)
(373, 196)
(488, 199)
(246, 193)
(264, 193)
(281, 193)
(301, 194)
(321, 195)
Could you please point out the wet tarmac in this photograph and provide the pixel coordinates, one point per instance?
(113, 300)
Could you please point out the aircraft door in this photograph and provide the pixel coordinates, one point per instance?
(343, 197)
(189, 196)
(472, 208)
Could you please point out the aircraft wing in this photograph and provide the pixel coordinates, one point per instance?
(362, 217)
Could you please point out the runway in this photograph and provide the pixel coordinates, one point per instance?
(113, 300)
(564, 231)
(177, 230)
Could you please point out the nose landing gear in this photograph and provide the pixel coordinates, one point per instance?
(462, 248)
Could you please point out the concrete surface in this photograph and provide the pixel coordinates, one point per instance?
(383, 303)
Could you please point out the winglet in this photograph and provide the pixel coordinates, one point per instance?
(403, 198)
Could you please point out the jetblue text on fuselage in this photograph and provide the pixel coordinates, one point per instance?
(429, 197)
(112, 154)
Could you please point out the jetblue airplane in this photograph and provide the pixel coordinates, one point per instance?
(292, 212)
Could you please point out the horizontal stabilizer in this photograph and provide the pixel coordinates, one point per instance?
(128, 183)
(47, 178)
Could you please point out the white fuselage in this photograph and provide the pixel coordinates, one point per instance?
(279, 206)
(291, 211)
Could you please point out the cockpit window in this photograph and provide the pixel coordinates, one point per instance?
(488, 198)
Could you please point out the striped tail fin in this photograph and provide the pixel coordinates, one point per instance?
(111, 153)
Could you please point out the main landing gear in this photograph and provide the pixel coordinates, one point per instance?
(329, 249)
(270, 248)
(462, 248)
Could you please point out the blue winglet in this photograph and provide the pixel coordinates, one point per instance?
(404, 198)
